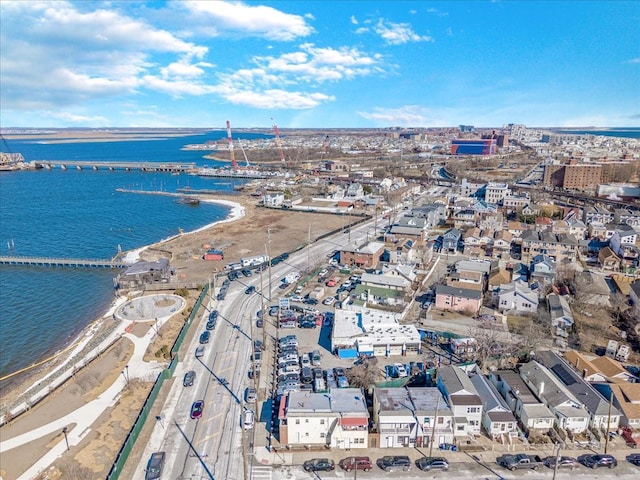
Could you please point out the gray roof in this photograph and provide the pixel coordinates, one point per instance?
(554, 393)
(583, 391)
(425, 400)
(456, 380)
(143, 266)
(491, 399)
(394, 400)
(519, 389)
(458, 292)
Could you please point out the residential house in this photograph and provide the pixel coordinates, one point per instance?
(562, 248)
(570, 413)
(366, 256)
(463, 399)
(451, 240)
(408, 417)
(516, 297)
(577, 228)
(499, 277)
(464, 218)
(535, 417)
(599, 369)
(560, 227)
(383, 289)
(514, 202)
(495, 192)
(516, 229)
(623, 215)
(543, 224)
(338, 419)
(466, 279)
(597, 214)
(407, 250)
(404, 271)
(497, 418)
(408, 227)
(392, 282)
(542, 271)
(595, 403)
(434, 214)
(502, 242)
(560, 313)
(458, 299)
(591, 288)
(354, 190)
(626, 398)
(608, 259)
(597, 230)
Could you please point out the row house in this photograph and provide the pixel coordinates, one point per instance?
(411, 416)
(515, 201)
(608, 259)
(595, 403)
(597, 214)
(516, 229)
(502, 242)
(535, 417)
(497, 418)
(516, 297)
(562, 248)
(477, 242)
(338, 419)
(542, 271)
(491, 221)
(464, 218)
(577, 228)
(463, 399)
(631, 218)
(451, 240)
(597, 230)
(570, 413)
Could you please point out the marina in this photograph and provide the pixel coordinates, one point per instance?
(102, 165)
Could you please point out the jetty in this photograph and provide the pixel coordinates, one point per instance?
(61, 262)
(111, 166)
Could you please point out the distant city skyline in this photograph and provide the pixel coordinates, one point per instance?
(315, 64)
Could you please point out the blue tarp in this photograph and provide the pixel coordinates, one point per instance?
(347, 353)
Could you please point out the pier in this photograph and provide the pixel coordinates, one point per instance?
(111, 166)
(61, 262)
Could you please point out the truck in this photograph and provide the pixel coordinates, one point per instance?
(520, 461)
(254, 261)
(292, 277)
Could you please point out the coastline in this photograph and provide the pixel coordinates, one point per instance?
(20, 382)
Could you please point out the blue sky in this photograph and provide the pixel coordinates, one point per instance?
(314, 64)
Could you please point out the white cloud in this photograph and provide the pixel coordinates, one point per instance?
(354, 20)
(398, 33)
(76, 119)
(406, 116)
(634, 60)
(277, 99)
(439, 13)
(217, 18)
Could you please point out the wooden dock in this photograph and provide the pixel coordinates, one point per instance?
(111, 166)
(61, 262)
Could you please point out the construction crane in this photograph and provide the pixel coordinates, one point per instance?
(234, 165)
(277, 134)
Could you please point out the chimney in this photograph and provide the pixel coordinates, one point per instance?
(541, 388)
(584, 373)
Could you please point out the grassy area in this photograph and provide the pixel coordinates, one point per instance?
(518, 323)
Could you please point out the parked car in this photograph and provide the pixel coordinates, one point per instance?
(288, 340)
(196, 409)
(273, 310)
(317, 372)
(329, 301)
(250, 395)
(289, 377)
(259, 323)
(315, 358)
(246, 272)
(155, 466)
(432, 463)
(299, 289)
(288, 323)
(204, 337)
(289, 369)
(634, 458)
(289, 383)
(319, 465)
(304, 360)
(329, 376)
(289, 350)
(343, 382)
(392, 463)
(287, 358)
(598, 460)
(306, 324)
(258, 345)
(199, 351)
(339, 371)
(250, 289)
(565, 462)
(400, 370)
(306, 376)
(189, 378)
(248, 419)
(356, 463)
(211, 324)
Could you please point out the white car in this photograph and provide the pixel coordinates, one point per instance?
(248, 419)
(402, 372)
(304, 360)
(329, 301)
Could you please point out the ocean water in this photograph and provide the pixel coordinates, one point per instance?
(79, 214)
(628, 132)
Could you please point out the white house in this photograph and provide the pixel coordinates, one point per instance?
(497, 417)
(338, 419)
(463, 399)
(273, 199)
(409, 417)
(516, 296)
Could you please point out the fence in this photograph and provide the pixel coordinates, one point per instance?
(132, 436)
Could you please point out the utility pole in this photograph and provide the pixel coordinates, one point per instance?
(606, 439)
(433, 427)
(555, 466)
(263, 317)
(269, 257)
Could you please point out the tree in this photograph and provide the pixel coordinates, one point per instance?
(365, 374)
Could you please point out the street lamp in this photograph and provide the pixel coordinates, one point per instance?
(125, 373)
(159, 419)
(66, 440)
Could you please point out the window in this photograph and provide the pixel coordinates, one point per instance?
(322, 421)
(359, 440)
(473, 409)
(306, 420)
(460, 428)
(297, 421)
(322, 435)
(440, 420)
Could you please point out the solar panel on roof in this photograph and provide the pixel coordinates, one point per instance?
(563, 374)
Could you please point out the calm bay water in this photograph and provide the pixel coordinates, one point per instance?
(79, 214)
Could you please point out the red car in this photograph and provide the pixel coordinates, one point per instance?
(196, 409)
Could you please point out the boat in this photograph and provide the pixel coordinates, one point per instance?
(189, 201)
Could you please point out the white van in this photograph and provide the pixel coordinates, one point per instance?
(289, 369)
(247, 419)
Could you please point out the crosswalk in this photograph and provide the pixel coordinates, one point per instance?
(262, 472)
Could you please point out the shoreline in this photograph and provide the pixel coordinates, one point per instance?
(236, 212)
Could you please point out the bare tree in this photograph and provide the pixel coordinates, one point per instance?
(365, 374)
